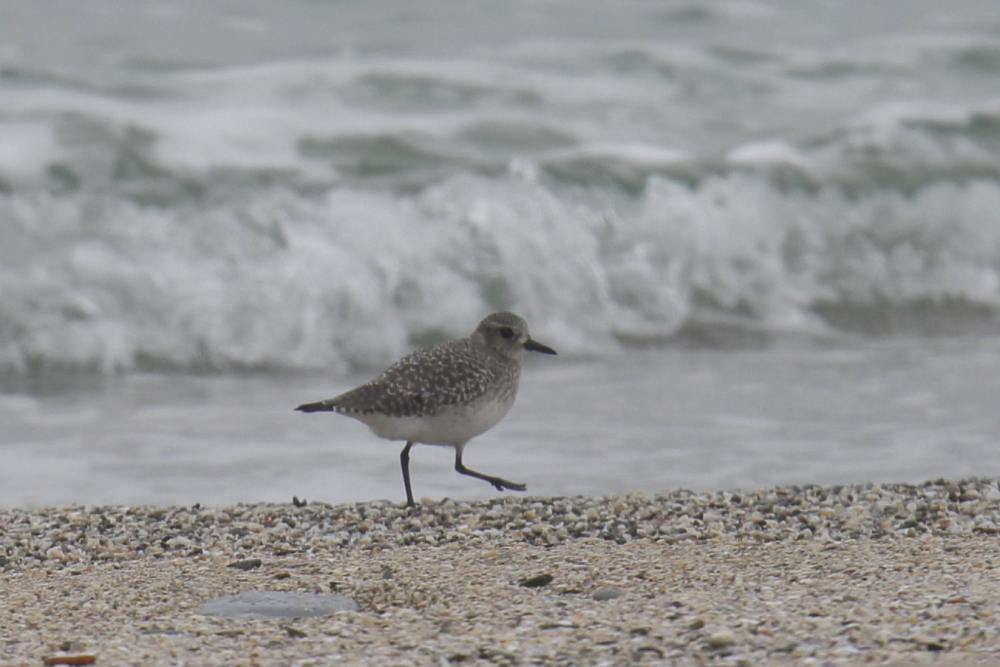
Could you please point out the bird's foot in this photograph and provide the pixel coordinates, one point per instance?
(501, 484)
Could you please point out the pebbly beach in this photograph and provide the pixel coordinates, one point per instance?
(820, 575)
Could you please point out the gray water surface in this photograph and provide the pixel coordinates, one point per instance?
(902, 411)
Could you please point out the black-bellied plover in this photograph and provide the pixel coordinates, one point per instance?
(445, 394)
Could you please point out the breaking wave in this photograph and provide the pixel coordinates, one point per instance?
(220, 233)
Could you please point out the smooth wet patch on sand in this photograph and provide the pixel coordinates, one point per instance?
(277, 604)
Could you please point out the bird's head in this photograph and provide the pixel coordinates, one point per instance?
(507, 334)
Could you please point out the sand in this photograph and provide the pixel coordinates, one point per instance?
(866, 574)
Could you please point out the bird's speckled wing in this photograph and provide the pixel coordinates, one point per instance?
(419, 384)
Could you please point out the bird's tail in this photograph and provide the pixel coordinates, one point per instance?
(318, 406)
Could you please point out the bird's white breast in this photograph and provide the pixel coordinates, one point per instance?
(451, 425)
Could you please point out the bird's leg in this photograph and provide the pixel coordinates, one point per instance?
(404, 460)
(498, 483)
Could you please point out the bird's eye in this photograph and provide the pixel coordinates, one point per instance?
(506, 332)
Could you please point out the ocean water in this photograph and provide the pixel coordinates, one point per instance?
(763, 235)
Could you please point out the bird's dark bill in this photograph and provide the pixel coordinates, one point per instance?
(535, 346)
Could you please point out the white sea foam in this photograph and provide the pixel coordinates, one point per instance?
(355, 277)
(336, 207)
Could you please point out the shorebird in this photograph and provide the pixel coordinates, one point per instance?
(445, 394)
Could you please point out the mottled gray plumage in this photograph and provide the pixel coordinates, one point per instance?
(423, 382)
(445, 394)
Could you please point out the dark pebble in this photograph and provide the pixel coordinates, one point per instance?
(249, 564)
(537, 581)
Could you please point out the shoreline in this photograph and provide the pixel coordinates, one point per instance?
(853, 574)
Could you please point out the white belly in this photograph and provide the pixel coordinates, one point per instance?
(451, 426)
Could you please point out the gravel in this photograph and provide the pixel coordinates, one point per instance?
(854, 574)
